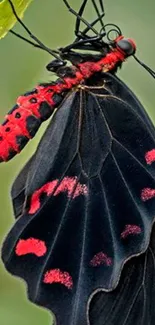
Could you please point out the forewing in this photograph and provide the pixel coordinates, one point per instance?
(18, 189)
(121, 90)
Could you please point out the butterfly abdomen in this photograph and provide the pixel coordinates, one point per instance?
(31, 109)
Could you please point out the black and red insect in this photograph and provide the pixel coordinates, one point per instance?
(85, 202)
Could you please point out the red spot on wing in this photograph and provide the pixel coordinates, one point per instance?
(130, 230)
(150, 156)
(147, 193)
(31, 246)
(57, 276)
(35, 199)
(70, 185)
(101, 258)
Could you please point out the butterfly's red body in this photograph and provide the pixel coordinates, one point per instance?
(25, 118)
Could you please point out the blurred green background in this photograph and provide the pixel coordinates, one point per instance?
(22, 67)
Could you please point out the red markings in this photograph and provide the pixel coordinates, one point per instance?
(150, 156)
(147, 194)
(105, 64)
(29, 104)
(31, 246)
(101, 258)
(5, 147)
(130, 230)
(35, 199)
(57, 276)
(67, 185)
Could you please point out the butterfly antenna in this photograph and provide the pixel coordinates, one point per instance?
(39, 43)
(150, 71)
(80, 17)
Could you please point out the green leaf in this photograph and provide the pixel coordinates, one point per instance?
(7, 17)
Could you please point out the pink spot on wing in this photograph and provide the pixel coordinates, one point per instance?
(130, 230)
(70, 185)
(147, 194)
(31, 246)
(58, 276)
(150, 156)
(100, 258)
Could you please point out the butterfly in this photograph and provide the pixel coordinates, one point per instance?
(84, 203)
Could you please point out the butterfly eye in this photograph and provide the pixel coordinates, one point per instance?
(127, 46)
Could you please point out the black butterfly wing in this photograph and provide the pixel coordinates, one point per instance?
(89, 202)
(132, 302)
(31, 178)
(18, 190)
(122, 91)
(28, 226)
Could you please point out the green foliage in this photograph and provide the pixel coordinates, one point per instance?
(7, 17)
